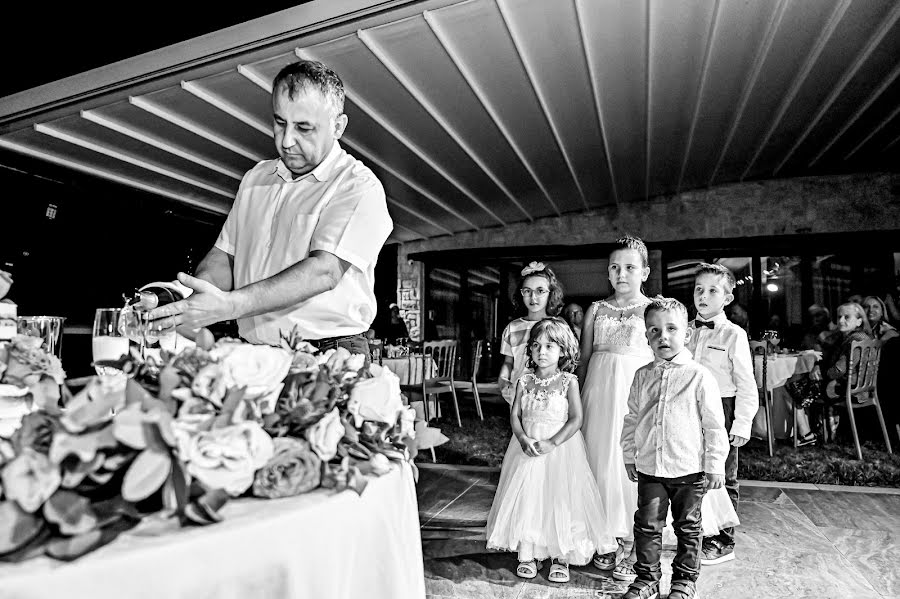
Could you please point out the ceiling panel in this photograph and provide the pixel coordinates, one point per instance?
(484, 113)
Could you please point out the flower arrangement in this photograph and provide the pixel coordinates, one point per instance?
(186, 434)
(29, 380)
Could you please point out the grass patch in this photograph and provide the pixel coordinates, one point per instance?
(483, 443)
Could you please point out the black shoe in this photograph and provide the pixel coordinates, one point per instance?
(683, 589)
(642, 589)
(714, 552)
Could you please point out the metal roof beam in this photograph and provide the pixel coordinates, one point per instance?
(117, 155)
(418, 215)
(872, 134)
(228, 108)
(98, 119)
(836, 15)
(91, 170)
(542, 101)
(179, 121)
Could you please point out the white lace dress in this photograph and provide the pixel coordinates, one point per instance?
(549, 505)
(620, 348)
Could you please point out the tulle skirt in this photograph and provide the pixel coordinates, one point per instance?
(605, 400)
(549, 505)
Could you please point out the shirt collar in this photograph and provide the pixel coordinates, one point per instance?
(683, 357)
(719, 318)
(321, 172)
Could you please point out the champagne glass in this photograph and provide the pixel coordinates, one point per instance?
(108, 339)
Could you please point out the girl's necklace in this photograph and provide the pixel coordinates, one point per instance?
(623, 309)
(541, 382)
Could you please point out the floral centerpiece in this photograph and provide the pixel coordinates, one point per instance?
(186, 434)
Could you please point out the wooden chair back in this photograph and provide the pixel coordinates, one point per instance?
(761, 348)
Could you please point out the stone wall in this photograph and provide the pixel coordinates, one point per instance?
(778, 207)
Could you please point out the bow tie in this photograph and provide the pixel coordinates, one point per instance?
(704, 323)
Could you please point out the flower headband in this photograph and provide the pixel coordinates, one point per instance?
(533, 268)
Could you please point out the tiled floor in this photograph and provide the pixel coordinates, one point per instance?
(792, 542)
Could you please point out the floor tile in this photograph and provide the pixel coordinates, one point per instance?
(875, 554)
(763, 494)
(469, 510)
(767, 527)
(848, 510)
(485, 576)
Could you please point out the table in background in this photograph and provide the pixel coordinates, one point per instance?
(780, 368)
(321, 544)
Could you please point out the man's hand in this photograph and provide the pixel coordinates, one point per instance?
(714, 481)
(631, 469)
(738, 441)
(207, 305)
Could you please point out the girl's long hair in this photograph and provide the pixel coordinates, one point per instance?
(558, 331)
(554, 302)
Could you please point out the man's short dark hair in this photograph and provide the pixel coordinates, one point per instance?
(311, 74)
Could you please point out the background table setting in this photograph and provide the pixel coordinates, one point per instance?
(780, 368)
(214, 469)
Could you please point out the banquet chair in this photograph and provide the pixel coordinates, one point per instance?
(861, 389)
(473, 386)
(765, 395)
(436, 380)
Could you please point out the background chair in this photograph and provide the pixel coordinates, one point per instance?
(437, 378)
(861, 392)
(759, 348)
(476, 388)
(376, 349)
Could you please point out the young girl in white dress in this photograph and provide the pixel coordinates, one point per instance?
(541, 295)
(547, 502)
(613, 335)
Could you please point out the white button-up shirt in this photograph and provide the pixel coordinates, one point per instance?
(675, 426)
(725, 350)
(276, 221)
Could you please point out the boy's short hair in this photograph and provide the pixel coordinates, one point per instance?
(665, 304)
(717, 270)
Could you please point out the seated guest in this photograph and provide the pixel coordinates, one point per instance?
(737, 314)
(396, 326)
(876, 314)
(834, 367)
(821, 331)
(574, 315)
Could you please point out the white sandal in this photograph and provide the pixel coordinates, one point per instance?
(625, 572)
(559, 572)
(528, 569)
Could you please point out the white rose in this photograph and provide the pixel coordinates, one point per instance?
(211, 383)
(227, 458)
(259, 368)
(379, 396)
(324, 435)
(355, 362)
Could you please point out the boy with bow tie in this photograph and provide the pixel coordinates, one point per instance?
(722, 347)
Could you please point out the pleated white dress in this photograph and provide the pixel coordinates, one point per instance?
(549, 505)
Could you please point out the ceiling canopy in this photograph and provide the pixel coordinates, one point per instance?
(482, 113)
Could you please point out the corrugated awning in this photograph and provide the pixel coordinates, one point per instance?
(480, 113)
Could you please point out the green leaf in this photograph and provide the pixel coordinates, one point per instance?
(84, 446)
(17, 527)
(146, 475)
(130, 427)
(71, 512)
(71, 548)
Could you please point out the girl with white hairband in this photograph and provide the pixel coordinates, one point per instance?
(540, 295)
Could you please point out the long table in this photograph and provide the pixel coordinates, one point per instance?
(318, 545)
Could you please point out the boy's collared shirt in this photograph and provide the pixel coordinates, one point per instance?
(675, 425)
(725, 351)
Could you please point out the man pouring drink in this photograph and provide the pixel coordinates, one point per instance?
(299, 246)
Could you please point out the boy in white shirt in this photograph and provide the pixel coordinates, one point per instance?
(674, 446)
(722, 347)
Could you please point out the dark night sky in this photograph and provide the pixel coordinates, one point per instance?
(54, 42)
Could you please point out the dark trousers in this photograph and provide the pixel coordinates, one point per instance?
(655, 494)
(726, 535)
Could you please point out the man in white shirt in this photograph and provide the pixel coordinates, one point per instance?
(299, 247)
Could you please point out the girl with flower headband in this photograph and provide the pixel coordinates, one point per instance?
(547, 503)
(614, 346)
(540, 294)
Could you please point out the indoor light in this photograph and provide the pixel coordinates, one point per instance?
(771, 287)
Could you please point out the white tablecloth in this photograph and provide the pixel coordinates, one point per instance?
(320, 545)
(780, 368)
(410, 370)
